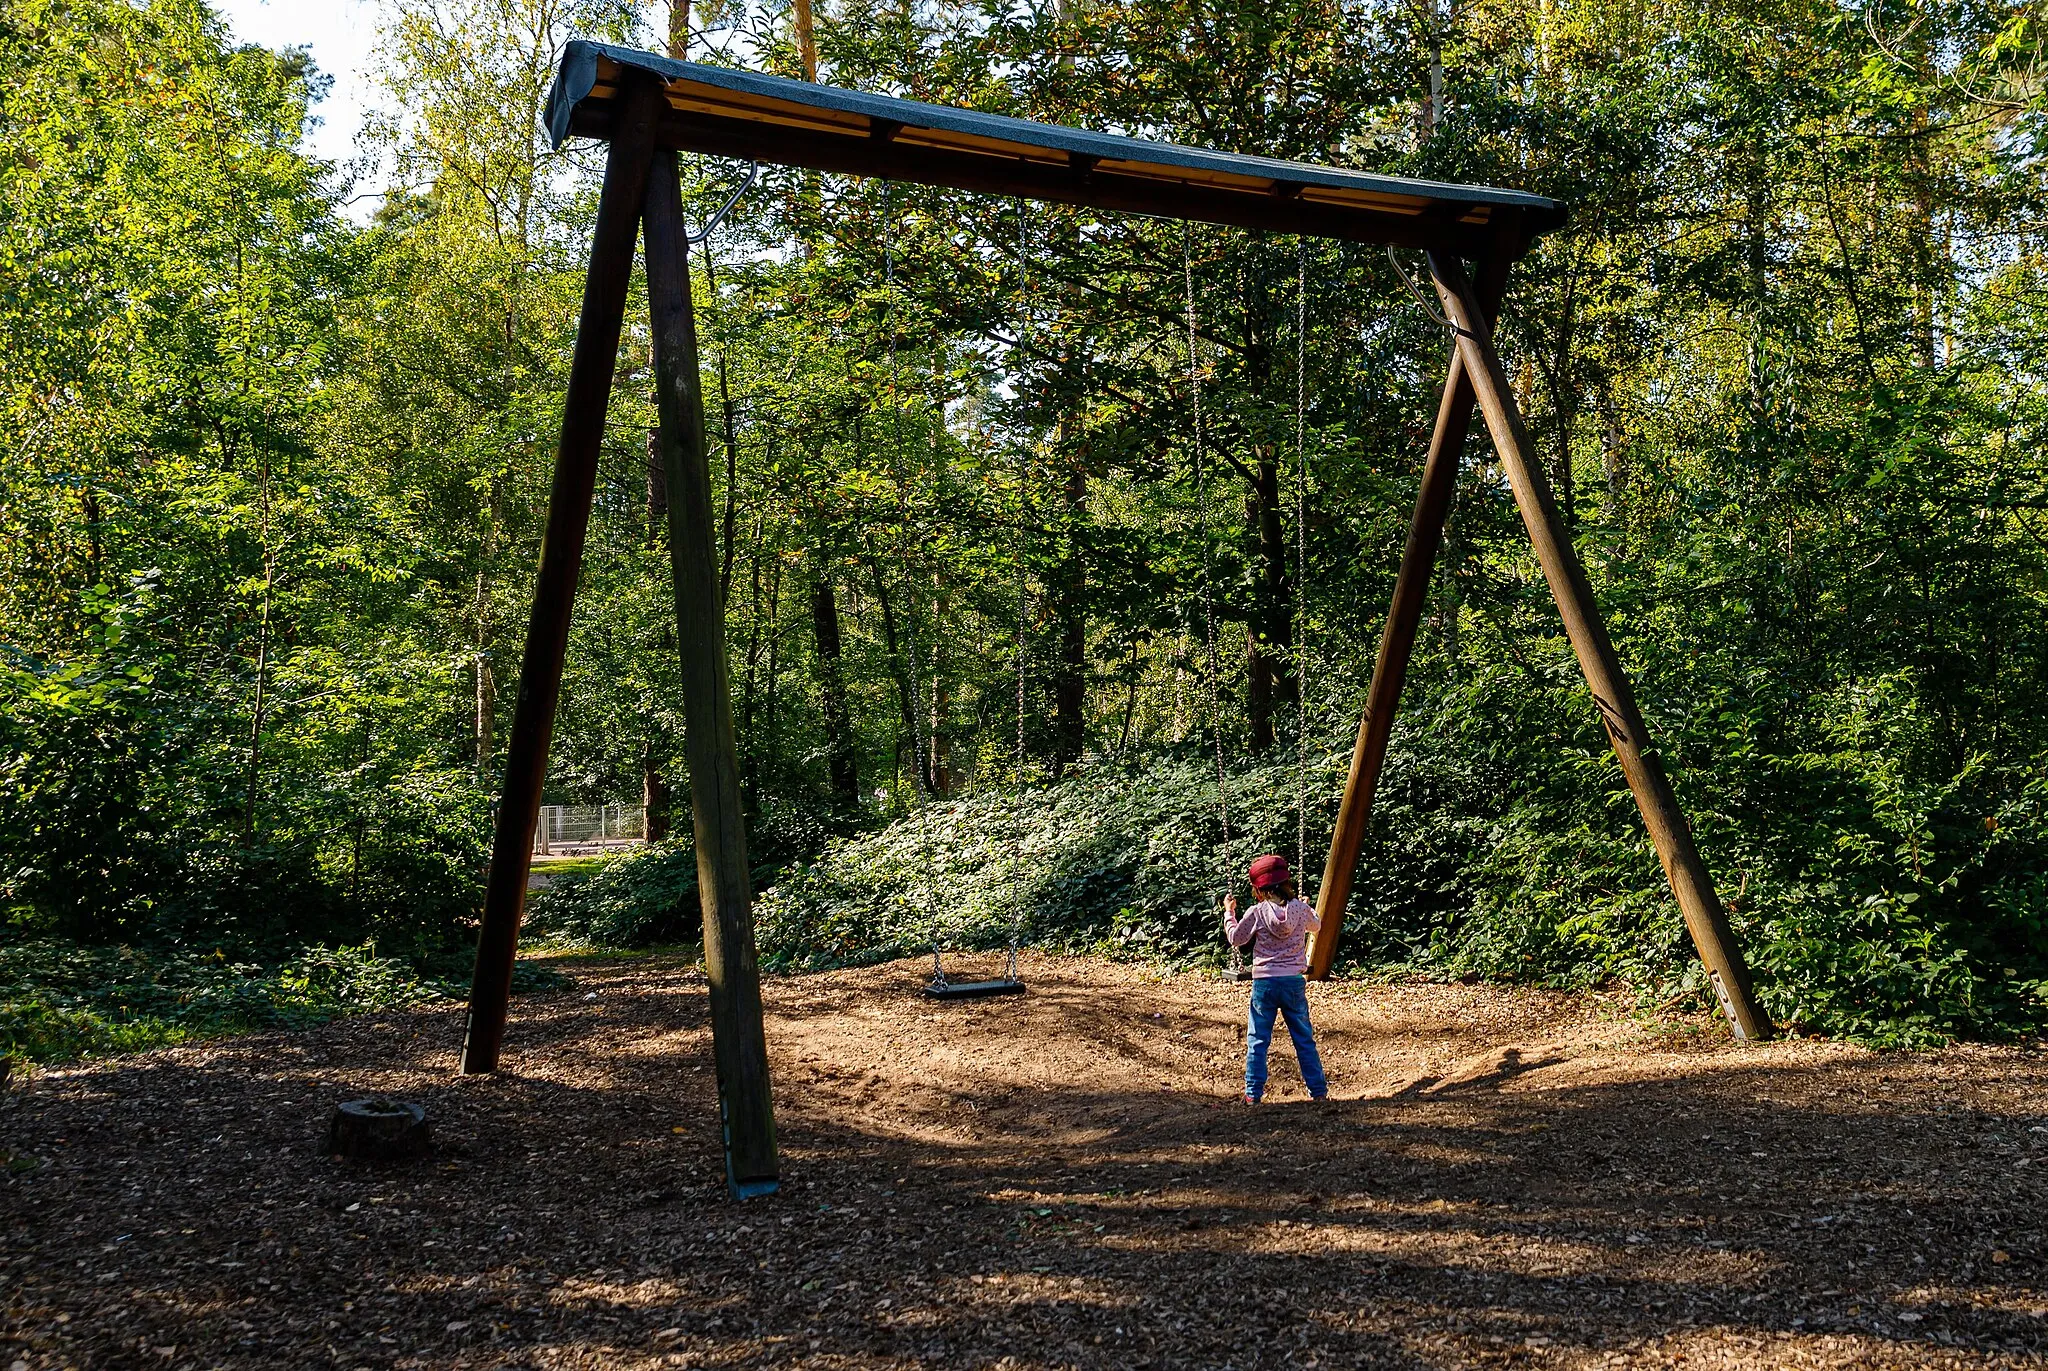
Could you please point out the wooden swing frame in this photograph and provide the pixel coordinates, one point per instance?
(647, 108)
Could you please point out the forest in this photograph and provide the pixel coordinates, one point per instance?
(1031, 518)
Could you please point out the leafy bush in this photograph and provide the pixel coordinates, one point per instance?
(115, 826)
(1882, 888)
(1489, 858)
(1126, 861)
(85, 844)
(644, 897)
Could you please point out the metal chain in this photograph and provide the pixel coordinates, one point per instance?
(1023, 545)
(1023, 489)
(1208, 592)
(917, 752)
(1301, 551)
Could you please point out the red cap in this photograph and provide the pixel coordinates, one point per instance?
(1270, 871)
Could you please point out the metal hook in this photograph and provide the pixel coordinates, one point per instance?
(1431, 310)
(699, 239)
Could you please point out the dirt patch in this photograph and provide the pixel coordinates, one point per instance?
(1059, 1179)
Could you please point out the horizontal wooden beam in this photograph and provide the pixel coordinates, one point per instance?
(1077, 181)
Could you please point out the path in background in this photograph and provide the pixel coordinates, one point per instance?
(1512, 1179)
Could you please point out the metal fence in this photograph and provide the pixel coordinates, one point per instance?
(582, 830)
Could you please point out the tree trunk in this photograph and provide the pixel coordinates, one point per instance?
(906, 706)
(806, 40)
(730, 435)
(940, 777)
(486, 633)
(841, 760)
(1613, 456)
(1564, 400)
(1270, 633)
(486, 682)
(768, 734)
(655, 797)
(1757, 213)
(749, 774)
(679, 30)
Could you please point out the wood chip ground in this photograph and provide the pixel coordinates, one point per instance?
(1062, 1179)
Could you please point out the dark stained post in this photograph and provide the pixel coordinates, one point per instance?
(1397, 639)
(724, 880)
(1704, 917)
(561, 558)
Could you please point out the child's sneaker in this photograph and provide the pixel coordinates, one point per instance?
(1250, 1098)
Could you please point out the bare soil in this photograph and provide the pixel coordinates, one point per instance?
(1062, 1179)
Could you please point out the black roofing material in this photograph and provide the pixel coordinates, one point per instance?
(877, 135)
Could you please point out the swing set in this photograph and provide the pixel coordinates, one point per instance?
(648, 108)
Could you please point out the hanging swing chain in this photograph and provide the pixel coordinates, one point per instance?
(1023, 485)
(1023, 547)
(1301, 548)
(1202, 527)
(1429, 306)
(917, 751)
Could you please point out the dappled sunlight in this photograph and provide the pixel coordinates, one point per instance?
(1064, 1179)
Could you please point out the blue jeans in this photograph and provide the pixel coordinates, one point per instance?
(1286, 996)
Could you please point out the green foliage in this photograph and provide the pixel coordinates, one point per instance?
(1123, 861)
(272, 486)
(642, 898)
(1462, 875)
(60, 1000)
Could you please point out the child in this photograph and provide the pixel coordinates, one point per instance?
(1277, 927)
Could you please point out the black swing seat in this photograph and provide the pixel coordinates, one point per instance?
(972, 990)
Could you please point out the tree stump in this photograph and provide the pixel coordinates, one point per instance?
(379, 1130)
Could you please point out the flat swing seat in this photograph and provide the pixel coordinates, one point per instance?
(972, 990)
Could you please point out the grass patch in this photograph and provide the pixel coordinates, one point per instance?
(580, 868)
(60, 1000)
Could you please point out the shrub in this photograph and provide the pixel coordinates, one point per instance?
(1120, 860)
(645, 897)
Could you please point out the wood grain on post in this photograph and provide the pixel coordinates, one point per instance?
(724, 878)
(1397, 639)
(1669, 831)
(561, 559)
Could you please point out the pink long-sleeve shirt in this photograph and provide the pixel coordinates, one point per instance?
(1278, 934)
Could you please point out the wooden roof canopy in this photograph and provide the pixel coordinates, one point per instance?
(732, 113)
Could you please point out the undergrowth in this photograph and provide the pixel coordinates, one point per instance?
(1471, 871)
(1114, 862)
(61, 1000)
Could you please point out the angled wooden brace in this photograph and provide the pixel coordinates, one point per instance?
(724, 878)
(561, 559)
(1404, 617)
(1669, 831)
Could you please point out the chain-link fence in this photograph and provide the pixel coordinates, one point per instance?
(585, 830)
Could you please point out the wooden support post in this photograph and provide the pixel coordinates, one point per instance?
(561, 558)
(724, 879)
(1397, 639)
(1704, 917)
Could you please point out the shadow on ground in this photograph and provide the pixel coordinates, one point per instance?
(1057, 1180)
